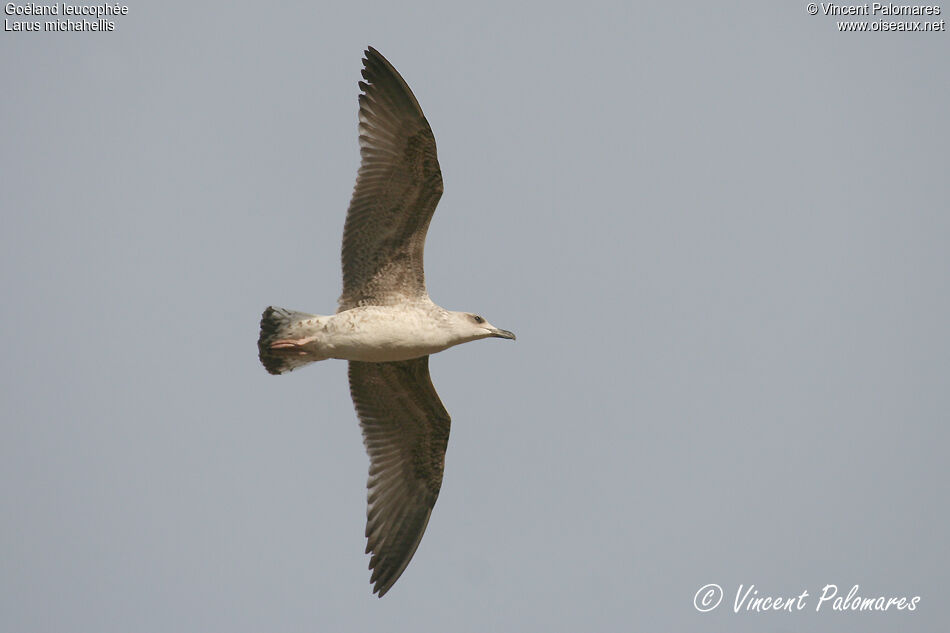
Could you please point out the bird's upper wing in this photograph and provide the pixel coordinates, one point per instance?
(397, 189)
(405, 430)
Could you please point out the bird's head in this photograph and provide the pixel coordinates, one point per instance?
(472, 327)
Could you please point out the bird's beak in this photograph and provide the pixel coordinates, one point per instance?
(502, 333)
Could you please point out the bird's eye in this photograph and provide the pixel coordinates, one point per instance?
(478, 319)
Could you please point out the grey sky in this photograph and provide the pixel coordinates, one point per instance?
(719, 230)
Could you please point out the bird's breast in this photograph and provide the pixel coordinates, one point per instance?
(384, 334)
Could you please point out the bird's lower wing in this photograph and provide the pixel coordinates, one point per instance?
(406, 431)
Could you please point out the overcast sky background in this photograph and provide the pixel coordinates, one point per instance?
(719, 230)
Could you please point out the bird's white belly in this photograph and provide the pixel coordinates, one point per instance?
(382, 334)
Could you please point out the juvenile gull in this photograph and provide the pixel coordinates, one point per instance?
(386, 325)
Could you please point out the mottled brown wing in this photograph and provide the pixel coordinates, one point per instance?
(406, 431)
(397, 189)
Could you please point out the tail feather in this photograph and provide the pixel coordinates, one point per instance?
(277, 325)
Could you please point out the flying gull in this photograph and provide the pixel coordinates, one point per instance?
(386, 325)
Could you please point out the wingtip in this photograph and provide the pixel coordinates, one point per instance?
(380, 585)
(369, 54)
